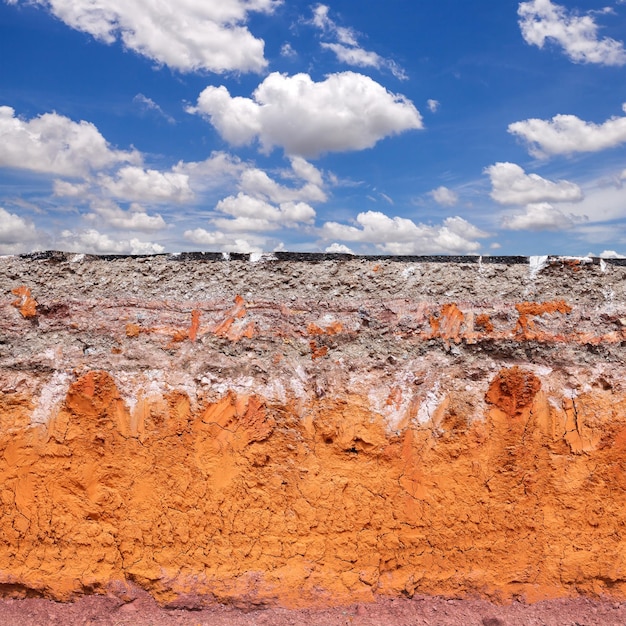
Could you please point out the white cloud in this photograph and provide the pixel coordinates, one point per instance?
(347, 111)
(603, 202)
(511, 185)
(147, 185)
(188, 35)
(321, 20)
(287, 51)
(218, 170)
(54, 144)
(308, 172)
(338, 248)
(399, 235)
(346, 45)
(92, 241)
(539, 216)
(433, 105)
(285, 214)
(66, 189)
(15, 230)
(243, 225)
(566, 134)
(135, 218)
(256, 182)
(178, 185)
(148, 104)
(266, 205)
(444, 196)
(541, 20)
(217, 240)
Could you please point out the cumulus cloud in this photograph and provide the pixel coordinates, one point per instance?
(256, 182)
(218, 170)
(15, 231)
(511, 185)
(444, 196)
(264, 205)
(181, 184)
(611, 254)
(187, 36)
(92, 241)
(347, 111)
(399, 235)
(338, 248)
(566, 134)
(54, 144)
(134, 218)
(67, 189)
(217, 240)
(287, 214)
(433, 105)
(539, 216)
(147, 185)
(346, 45)
(542, 20)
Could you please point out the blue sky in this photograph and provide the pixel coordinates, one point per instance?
(258, 125)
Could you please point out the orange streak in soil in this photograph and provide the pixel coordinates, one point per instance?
(26, 304)
(195, 324)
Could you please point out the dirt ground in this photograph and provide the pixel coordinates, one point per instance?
(418, 611)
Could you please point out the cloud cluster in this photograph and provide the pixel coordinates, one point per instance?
(92, 241)
(542, 20)
(511, 185)
(217, 240)
(444, 196)
(147, 185)
(399, 235)
(14, 232)
(537, 217)
(346, 111)
(54, 144)
(346, 45)
(567, 134)
(262, 205)
(135, 218)
(189, 35)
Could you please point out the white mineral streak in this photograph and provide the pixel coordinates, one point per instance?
(255, 257)
(298, 382)
(381, 401)
(153, 384)
(409, 270)
(536, 264)
(429, 405)
(52, 395)
(579, 259)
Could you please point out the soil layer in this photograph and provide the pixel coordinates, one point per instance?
(267, 432)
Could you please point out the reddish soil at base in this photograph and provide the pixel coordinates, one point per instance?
(421, 610)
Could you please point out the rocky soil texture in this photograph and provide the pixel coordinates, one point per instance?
(312, 431)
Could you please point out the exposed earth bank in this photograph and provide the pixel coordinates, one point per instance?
(313, 432)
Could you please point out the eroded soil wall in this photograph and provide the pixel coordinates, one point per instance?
(311, 432)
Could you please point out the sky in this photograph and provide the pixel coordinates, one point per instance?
(411, 128)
